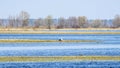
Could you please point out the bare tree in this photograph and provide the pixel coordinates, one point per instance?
(38, 23)
(116, 21)
(73, 22)
(17, 22)
(97, 23)
(61, 22)
(11, 22)
(82, 20)
(24, 17)
(104, 23)
(1, 23)
(49, 22)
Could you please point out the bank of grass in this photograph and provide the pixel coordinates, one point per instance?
(28, 40)
(57, 58)
(54, 31)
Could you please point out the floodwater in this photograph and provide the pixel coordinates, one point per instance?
(102, 38)
(108, 45)
(82, 64)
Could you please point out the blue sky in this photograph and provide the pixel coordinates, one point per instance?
(93, 9)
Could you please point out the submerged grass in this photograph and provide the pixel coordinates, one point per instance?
(57, 58)
(28, 40)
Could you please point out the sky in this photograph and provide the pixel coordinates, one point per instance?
(92, 9)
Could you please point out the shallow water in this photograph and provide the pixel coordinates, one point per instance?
(109, 45)
(61, 52)
(102, 38)
(82, 64)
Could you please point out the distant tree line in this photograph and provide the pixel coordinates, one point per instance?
(23, 21)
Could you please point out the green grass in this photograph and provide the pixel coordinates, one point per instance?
(58, 58)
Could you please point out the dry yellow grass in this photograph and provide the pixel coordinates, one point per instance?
(57, 58)
(43, 31)
(54, 32)
(28, 40)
